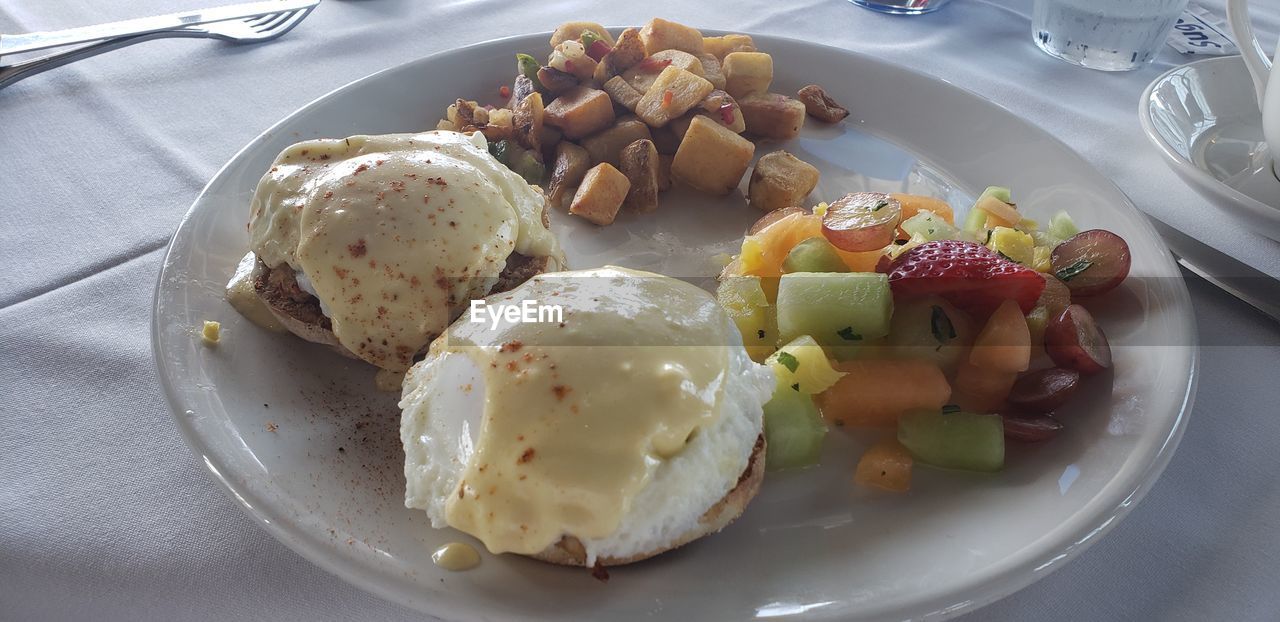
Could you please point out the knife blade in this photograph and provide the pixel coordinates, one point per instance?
(1229, 274)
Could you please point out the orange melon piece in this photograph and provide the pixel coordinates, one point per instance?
(763, 253)
(1005, 342)
(874, 392)
(982, 389)
(886, 466)
(912, 204)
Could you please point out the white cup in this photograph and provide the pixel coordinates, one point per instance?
(1265, 78)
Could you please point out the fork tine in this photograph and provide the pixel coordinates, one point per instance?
(294, 19)
(258, 19)
(271, 21)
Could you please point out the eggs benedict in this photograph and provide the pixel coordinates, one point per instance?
(627, 428)
(374, 244)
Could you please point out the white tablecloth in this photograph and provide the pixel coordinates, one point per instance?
(105, 514)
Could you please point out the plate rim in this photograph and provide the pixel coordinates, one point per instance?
(1001, 585)
(1203, 181)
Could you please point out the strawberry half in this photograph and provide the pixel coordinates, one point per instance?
(968, 275)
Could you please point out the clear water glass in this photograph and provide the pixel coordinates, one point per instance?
(1110, 35)
(902, 7)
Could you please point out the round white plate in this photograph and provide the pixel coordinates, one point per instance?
(1204, 119)
(302, 440)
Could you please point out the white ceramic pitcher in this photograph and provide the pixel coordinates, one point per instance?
(1265, 78)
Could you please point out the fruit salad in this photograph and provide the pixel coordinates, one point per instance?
(878, 311)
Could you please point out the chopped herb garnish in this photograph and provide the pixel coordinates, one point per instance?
(900, 242)
(880, 205)
(940, 324)
(789, 361)
(1073, 270)
(988, 236)
(948, 409)
(795, 387)
(847, 334)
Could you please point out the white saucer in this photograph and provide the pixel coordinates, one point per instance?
(1205, 120)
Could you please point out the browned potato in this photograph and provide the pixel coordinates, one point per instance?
(573, 30)
(571, 163)
(605, 146)
(628, 51)
(639, 162)
(771, 115)
(660, 34)
(642, 75)
(711, 157)
(548, 138)
(780, 180)
(580, 111)
(527, 119)
(556, 81)
(520, 89)
(665, 139)
(664, 172)
(621, 93)
(719, 107)
(747, 72)
(820, 106)
(711, 70)
(601, 194)
(728, 44)
(672, 94)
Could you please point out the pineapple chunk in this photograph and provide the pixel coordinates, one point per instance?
(639, 162)
(642, 75)
(1013, 244)
(711, 157)
(601, 194)
(728, 44)
(748, 72)
(580, 111)
(621, 93)
(573, 31)
(660, 34)
(672, 94)
(771, 115)
(605, 146)
(781, 180)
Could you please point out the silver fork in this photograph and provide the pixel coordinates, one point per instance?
(249, 30)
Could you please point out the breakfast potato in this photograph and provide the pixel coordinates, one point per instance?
(602, 192)
(725, 45)
(605, 146)
(527, 119)
(664, 171)
(569, 31)
(665, 139)
(642, 75)
(719, 107)
(820, 105)
(780, 180)
(711, 157)
(521, 88)
(770, 115)
(621, 93)
(660, 34)
(672, 94)
(747, 72)
(580, 111)
(712, 70)
(628, 51)
(570, 165)
(639, 162)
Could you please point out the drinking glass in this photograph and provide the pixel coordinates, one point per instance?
(1110, 35)
(902, 7)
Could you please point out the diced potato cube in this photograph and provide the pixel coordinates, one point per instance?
(770, 115)
(660, 34)
(500, 116)
(628, 51)
(665, 140)
(621, 93)
(643, 74)
(580, 111)
(672, 94)
(549, 137)
(712, 70)
(606, 145)
(445, 124)
(640, 165)
(528, 118)
(601, 194)
(728, 44)
(570, 166)
(713, 106)
(747, 72)
(781, 180)
(711, 157)
(574, 30)
(664, 172)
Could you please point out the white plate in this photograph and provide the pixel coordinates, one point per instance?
(327, 482)
(1204, 119)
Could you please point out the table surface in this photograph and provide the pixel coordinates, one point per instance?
(106, 515)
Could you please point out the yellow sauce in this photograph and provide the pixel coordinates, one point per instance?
(246, 301)
(456, 556)
(579, 414)
(395, 233)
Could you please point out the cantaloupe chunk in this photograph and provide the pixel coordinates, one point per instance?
(875, 392)
(764, 252)
(1004, 343)
(980, 389)
(913, 204)
(885, 466)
